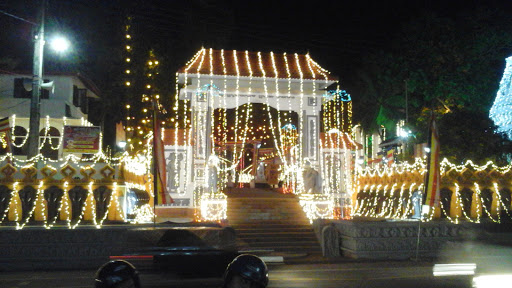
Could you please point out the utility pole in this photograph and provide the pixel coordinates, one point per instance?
(37, 80)
(406, 104)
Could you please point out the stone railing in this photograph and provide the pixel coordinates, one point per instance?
(467, 192)
(388, 239)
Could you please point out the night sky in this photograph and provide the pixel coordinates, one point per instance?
(339, 35)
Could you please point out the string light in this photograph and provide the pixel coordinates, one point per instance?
(63, 204)
(301, 123)
(213, 206)
(143, 214)
(317, 206)
(403, 173)
(14, 194)
(245, 129)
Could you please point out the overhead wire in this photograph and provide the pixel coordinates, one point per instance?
(161, 20)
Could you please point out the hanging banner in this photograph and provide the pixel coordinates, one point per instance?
(433, 175)
(81, 139)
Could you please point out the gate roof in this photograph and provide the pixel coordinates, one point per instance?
(255, 64)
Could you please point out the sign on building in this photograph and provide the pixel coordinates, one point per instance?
(81, 139)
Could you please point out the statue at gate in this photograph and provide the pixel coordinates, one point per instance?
(213, 162)
(312, 179)
(416, 200)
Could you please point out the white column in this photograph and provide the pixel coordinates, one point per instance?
(201, 137)
(311, 133)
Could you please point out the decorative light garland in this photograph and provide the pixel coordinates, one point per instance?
(143, 214)
(317, 206)
(214, 206)
(364, 208)
(63, 204)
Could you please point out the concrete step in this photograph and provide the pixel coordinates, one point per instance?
(273, 225)
(256, 193)
(277, 200)
(249, 212)
(289, 236)
(269, 205)
(284, 241)
(263, 217)
(269, 221)
(283, 248)
(244, 223)
(274, 228)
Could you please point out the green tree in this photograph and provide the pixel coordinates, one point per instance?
(449, 64)
(470, 135)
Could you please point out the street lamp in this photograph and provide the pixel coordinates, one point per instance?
(59, 44)
(37, 80)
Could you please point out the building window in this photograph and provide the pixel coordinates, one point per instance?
(68, 111)
(19, 89)
(45, 94)
(80, 99)
(76, 99)
(83, 100)
(51, 140)
(20, 137)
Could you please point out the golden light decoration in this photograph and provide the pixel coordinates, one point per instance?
(143, 214)
(397, 172)
(213, 206)
(243, 129)
(317, 206)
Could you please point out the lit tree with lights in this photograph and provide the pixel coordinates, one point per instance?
(501, 110)
(141, 73)
(141, 110)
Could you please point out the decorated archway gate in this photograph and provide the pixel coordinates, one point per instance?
(219, 92)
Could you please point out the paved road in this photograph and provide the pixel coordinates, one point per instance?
(379, 274)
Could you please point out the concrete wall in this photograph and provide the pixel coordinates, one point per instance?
(89, 248)
(55, 106)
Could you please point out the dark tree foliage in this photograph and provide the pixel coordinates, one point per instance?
(470, 135)
(449, 65)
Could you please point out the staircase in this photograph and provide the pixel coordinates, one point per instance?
(266, 221)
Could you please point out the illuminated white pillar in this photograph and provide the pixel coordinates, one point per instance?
(311, 133)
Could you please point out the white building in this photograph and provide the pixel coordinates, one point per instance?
(66, 104)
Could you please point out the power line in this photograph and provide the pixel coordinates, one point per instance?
(349, 45)
(19, 18)
(167, 17)
(21, 103)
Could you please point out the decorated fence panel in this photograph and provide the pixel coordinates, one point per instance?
(468, 192)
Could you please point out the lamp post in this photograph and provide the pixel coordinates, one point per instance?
(37, 80)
